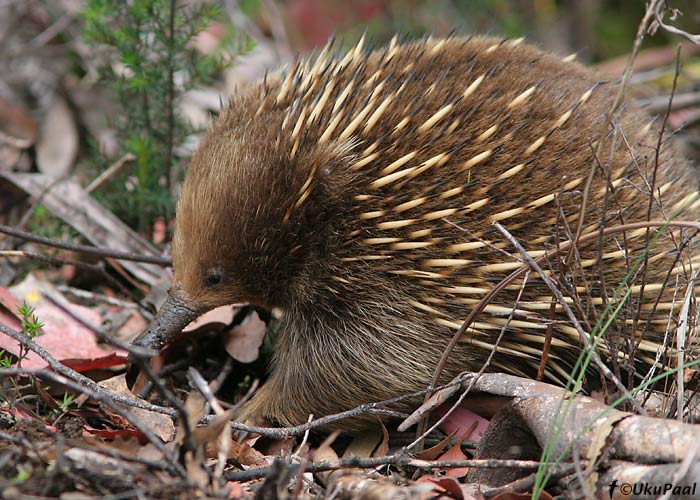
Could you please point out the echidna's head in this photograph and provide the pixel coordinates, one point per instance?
(253, 220)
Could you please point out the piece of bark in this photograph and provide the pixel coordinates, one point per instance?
(600, 434)
(629, 480)
(68, 201)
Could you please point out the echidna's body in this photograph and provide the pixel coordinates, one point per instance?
(357, 193)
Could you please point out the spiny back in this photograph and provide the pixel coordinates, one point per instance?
(382, 172)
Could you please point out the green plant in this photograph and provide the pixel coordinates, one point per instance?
(5, 359)
(149, 63)
(65, 403)
(64, 406)
(30, 326)
(611, 311)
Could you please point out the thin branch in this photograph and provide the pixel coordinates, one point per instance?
(76, 377)
(74, 247)
(397, 460)
(585, 336)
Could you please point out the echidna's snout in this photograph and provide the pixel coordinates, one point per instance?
(173, 316)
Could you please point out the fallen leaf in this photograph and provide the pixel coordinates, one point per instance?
(219, 317)
(243, 341)
(132, 327)
(454, 454)
(64, 337)
(446, 485)
(124, 439)
(158, 423)
(462, 422)
(58, 141)
(383, 447)
(83, 365)
(434, 451)
(8, 308)
(246, 454)
(17, 128)
(363, 444)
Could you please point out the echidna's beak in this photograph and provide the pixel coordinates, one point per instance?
(175, 314)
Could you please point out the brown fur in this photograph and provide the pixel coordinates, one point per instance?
(287, 218)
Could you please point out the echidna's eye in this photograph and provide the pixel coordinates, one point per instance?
(214, 278)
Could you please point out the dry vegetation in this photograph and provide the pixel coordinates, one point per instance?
(78, 419)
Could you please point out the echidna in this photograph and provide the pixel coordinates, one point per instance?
(356, 193)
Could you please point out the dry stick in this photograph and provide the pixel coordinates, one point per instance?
(281, 433)
(422, 432)
(396, 460)
(653, 199)
(609, 118)
(522, 485)
(21, 441)
(110, 172)
(47, 259)
(76, 377)
(658, 17)
(95, 297)
(57, 261)
(497, 289)
(585, 337)
(224, 438)
(140, 355)
(101, 396)
(102, 252)
(681, 343)
(44, 37)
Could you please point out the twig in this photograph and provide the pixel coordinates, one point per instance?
(57, 261)
(44, 37)
(79, 293)
(499, 287)
(100, 395)
(397, 460)
(682, 341)
(658, 17)
(585, 337)
(102, 252)
(76, 377)
(524, 484)
(376, 408)
(110, 172)
(136, 351)
(422, 433)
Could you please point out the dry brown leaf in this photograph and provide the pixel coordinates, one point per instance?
(246, 455)
(434, 451)
(383, 447)
(446, 486)
(328, 454)
(58, 141)
(17, 128)
(364, 444)
(243, 342)
(453, 454)
(220, 316)
(194, 409)
(161, 425)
